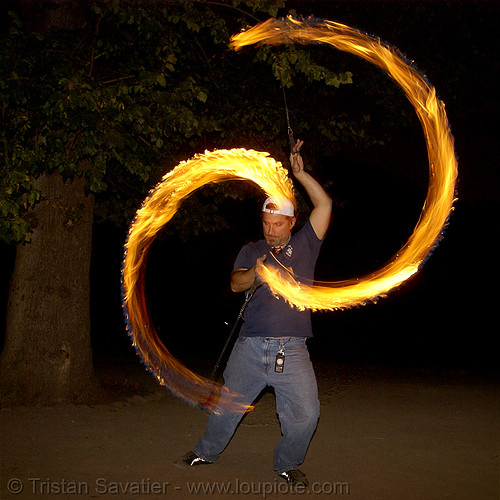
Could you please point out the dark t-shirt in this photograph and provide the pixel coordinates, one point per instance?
(270, 316)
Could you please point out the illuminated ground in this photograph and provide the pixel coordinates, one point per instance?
(383, 434)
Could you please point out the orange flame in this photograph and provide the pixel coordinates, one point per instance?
(442, 163)
(258, 167)
(161, 205)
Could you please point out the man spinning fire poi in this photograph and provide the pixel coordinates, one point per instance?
(271, 349)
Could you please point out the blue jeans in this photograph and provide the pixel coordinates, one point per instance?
(249, 370)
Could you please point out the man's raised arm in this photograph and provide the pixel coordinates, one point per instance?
(322, 203)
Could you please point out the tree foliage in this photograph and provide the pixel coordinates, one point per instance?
(137, 87)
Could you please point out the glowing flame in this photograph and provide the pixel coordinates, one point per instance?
(157, 210)
(442, 163)
(164, 201)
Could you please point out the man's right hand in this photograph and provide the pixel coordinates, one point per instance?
(243, 279)
(259, 262)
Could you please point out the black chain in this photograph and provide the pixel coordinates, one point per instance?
(249, 295)
(290, 131)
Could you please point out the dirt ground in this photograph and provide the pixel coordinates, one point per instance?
(383, 434)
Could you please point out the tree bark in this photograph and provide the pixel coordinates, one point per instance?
(47, 354)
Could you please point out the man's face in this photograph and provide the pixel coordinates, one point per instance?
(277, 228)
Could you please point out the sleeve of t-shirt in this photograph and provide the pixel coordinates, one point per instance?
(245, 259)
(312, 240)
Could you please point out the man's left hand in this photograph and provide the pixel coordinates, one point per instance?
(296, 159)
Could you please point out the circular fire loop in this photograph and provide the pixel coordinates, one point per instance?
(217, 166)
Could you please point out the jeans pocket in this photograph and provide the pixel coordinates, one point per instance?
(296, 345)
(297, 341)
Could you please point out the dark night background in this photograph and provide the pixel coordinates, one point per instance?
(441, 318)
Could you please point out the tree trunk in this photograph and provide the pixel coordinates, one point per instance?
(47, 355)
